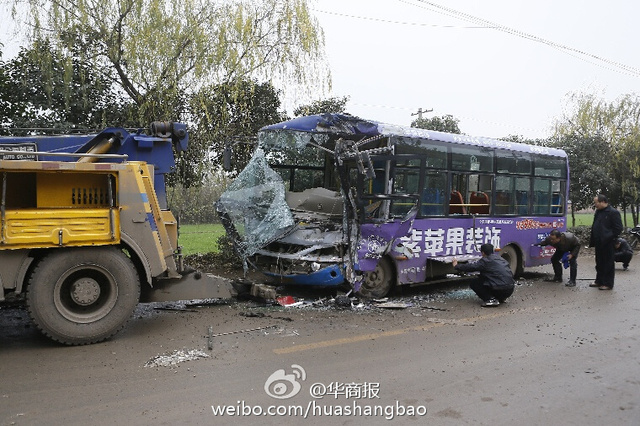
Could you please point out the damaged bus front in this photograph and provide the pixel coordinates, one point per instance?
(333, 199)
(295, 212)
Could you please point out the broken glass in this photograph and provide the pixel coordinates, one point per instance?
(255, 207)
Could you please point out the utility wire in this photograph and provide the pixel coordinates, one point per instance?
(616, 66)
(481, 23)
(386, 21)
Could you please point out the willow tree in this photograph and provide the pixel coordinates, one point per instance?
(160, 51)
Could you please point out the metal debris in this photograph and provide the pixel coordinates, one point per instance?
(241, 331)
(394, 305)
(177, 356)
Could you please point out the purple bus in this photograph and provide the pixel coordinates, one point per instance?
(333, 199)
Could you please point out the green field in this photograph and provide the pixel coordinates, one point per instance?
(200, 238)
(586, 219)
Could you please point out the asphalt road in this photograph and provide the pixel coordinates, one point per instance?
(550, 355)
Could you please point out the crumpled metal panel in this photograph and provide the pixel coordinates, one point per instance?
(255, 205)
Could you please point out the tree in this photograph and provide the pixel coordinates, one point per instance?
(226, 113)
(335, 105)
(55, 96)
(160, 51)
(446, 123)
(603, 142)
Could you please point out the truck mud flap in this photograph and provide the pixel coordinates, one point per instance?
(195, 285)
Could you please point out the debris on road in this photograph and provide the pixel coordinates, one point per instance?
(176, 357)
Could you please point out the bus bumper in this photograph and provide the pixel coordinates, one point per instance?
(329, 276)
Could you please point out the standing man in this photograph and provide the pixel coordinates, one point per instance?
(624, 253)
(607, 225)
(566, 244)
(495, 281)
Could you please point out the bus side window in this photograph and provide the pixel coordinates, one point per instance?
(503, 202)
(432, 202)
(433, 194)
(522, 204)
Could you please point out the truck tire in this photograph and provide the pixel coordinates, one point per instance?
(378, 282)
(83, 295)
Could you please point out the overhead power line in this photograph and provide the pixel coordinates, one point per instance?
(613, 65)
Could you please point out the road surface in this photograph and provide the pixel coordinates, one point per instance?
(550, 355)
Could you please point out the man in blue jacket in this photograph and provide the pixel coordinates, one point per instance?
(606, 227)
(495, 282)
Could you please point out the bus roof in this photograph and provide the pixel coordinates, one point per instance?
(348, 125)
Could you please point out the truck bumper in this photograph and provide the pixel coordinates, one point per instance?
(195, 285)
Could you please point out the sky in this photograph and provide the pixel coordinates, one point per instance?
(393, 57)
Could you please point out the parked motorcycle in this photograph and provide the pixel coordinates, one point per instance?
(634, 237)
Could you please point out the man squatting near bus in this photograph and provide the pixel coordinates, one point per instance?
(495, 282)
(566, 244)
(624, 253)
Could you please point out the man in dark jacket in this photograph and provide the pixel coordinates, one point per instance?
(495, 282)
(606, 227)
(568, 245)
(624, 253)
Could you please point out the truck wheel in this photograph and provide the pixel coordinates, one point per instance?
(378, 282)
(84, 295)
(510, 254)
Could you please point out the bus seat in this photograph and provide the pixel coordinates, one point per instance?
(523, 203)
(456, 198)
(503, 202)
(479, 198)
(432, 202)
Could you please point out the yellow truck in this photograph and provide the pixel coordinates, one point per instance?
(86, 237)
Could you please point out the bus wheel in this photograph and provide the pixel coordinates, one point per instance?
(378, 282)
(510, 254)
(84, 295)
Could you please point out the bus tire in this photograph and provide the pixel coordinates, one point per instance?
(80, 296)
(379, 282)
(510, 254)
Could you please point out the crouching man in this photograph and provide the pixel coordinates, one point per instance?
(495, 282)
(623, 253)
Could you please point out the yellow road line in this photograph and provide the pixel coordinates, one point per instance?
(432, 323)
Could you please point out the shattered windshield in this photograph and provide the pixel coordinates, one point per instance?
(255, 206)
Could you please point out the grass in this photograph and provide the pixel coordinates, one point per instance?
(200, 238)
(586, 219)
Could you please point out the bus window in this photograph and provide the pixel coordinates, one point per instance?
(522, 195)
(435, 154)
(307, 178)
(504, 195)
(458, 194)
(432, 199)
(513, 162)
(512, 195)
(557, 197)
(479, 194)
(405, 181)
(552, 167)
(471, 159)
(542, 196)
